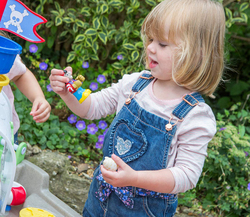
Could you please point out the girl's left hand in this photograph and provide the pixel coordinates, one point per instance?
(124, 176)
(40, 110)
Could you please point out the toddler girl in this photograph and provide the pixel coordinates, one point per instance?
(160, 134)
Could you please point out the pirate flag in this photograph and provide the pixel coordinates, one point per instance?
(17, 18)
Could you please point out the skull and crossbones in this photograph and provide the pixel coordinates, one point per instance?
(16, 18)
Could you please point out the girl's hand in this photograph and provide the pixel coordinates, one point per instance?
(58, 80)
(40, 110)
(125, 176)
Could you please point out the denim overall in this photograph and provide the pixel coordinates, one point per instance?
(142, 140)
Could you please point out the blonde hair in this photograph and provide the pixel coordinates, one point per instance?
(199, 26)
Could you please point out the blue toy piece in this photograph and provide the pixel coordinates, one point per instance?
(81, 94)
(7, 55)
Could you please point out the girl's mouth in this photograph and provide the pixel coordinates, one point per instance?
(153, 64)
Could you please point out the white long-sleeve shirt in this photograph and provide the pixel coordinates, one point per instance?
(189, 145)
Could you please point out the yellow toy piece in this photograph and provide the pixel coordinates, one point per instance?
(34, 212)
(4, 81)
(85, 94)
(78, 83)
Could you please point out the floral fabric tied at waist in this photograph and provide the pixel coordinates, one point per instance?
(125, 194)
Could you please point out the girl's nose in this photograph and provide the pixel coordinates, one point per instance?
(151, 47)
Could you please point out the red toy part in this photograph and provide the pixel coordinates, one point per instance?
(17, 195)
(70, 88)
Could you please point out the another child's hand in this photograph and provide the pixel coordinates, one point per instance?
(58, 80)
(40, 110)
(125, 176)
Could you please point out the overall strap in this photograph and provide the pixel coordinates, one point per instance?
(142, 82)
(189, 101)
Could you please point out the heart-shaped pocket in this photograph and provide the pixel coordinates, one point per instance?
(122, 146)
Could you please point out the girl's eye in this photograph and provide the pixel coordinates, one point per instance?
(162, 45)
(150, 40)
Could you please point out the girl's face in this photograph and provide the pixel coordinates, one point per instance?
(160, 56)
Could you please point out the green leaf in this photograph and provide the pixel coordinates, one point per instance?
(238, 19)
(72, 16)
(43, 140)
(229, 13)
(56, 13)
(245, 17)
(85, 11)
(129, 46)
(137, 5)
(238, 88)
(67, 20)
(77, 47)
(96, 23)
(79, 38)
(111, 32)
(103, 37)
(61, 11)
(105, 21)
(39, 9)
(75, 28)
(25, 126)
(104, 8)
(118, 38)
(224, 102)
(58, 21)
(129, 69)
(95, 47)
(151, 2)
(50, 41)
(130, 10)
(72, 10)
(140, 21)
(89, 42)
(50, 146)
(71, 57)
(120, 9)
(242, 130)
(43, 1)
(90, 31)
(53, 30)
(80, 23)
(228, 24)
(72, 133)
(49, 24)
(115, 3)
(57, 5)
(117, 65)
(94, 57)
(136, 33)
(244, 6)
(135, 55)
(139, 44)
(63, 33)
(18, 95)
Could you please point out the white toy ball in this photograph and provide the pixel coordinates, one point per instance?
(109, 164)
